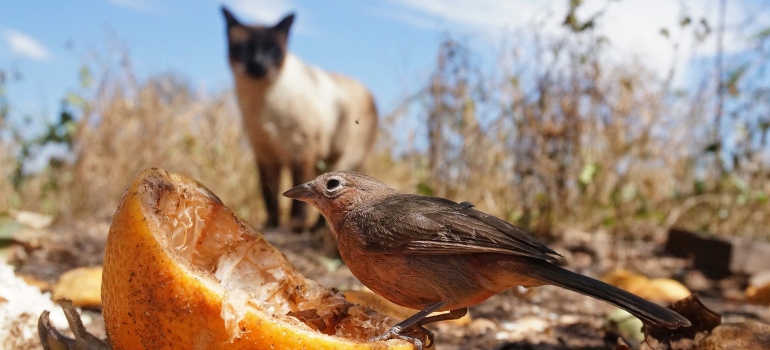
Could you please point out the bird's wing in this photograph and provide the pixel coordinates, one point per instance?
(419, 225)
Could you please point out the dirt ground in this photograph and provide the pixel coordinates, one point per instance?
(539, 318)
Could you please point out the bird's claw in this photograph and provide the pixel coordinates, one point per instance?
(428, 336)
(397, 332)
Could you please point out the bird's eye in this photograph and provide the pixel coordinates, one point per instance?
(332, 184)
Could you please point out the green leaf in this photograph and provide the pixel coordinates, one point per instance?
(322, 166)
(587, 173)
(762, 34)
(760, 196)
(700, 187)
(424, 189)
(515, 216)
(8, 228)
(734, 78)
(741, 199)
(86, 79)
(628, 192)
(740, 184)
(74, 99)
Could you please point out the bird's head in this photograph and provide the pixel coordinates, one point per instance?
(334, 194)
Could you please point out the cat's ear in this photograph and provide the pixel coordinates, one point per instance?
(285, 24)
(229, 18)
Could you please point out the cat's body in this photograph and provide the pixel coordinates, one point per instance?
(295, 115)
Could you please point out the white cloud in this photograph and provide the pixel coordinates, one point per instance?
(483, 15)
(408, 18)
(26, 46)
(268, 12)
(632, 26)
(261, 11)
(139, 5)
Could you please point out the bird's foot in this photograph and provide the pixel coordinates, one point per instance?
(414, 324)
(417, 335)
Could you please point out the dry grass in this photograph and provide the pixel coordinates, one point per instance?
(567, 137)
(8, 195)
(159, 124)
(564, 137)
(127, 127)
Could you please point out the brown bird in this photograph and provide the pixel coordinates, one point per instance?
(433, 254)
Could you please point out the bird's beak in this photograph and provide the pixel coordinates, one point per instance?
(301, 193)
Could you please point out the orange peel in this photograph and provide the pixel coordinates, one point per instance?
(181, 271)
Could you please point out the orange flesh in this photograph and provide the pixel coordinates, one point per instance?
(182, 271)
(206, 236)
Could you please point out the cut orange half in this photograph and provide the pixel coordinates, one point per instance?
(181, 271)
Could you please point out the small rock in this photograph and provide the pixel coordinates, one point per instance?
(32, 219)
(567, 320)
(481, 326)
(527, 324)
(744, 335)
(695, 280)
(502, 336)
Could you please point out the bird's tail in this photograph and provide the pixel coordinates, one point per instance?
(648, 312)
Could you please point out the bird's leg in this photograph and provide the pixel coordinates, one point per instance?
(424, 333)
(451, 315)
(415, 320)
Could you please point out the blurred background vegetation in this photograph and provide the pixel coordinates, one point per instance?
(562, 135)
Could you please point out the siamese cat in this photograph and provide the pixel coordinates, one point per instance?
(295, 115)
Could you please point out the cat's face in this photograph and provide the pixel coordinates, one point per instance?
(258, 51)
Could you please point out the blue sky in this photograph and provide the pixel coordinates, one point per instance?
(48, 41)
(389, 45)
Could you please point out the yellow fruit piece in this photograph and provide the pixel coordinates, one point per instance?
(758, 291)
(626, 280)
(181, 271)
(656, 289)
(664, 289)
(81, 285)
